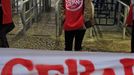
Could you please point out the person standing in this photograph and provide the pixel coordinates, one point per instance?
(74, 14)
(6, 23)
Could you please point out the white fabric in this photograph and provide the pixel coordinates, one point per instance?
(11, 62)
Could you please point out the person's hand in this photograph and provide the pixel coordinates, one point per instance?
(92, 22)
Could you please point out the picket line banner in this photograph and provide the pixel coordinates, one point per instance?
(40, 62)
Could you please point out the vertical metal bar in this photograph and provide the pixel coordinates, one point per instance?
(43, 5)
(36, 10)
(124, 25)
(119, 11)
(115, 13)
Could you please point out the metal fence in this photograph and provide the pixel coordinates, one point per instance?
(105, 12)
(123, 10)
(15, 6)
(27, 13)
(30, 10)
(111, 10)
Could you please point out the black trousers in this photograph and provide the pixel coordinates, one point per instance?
(76, 35)
(132, 39)
(3, 38)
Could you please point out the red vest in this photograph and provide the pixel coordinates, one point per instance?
(7, 13)
(74, 18)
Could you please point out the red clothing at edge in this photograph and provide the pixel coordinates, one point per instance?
(129, 20)
(7, 13)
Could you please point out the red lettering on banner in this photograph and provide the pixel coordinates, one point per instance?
(44, 69)
(128, 63)
(89, 67)
(8, 68)
(72, 66)
(108, 71)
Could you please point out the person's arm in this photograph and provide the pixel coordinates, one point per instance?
(89, 10)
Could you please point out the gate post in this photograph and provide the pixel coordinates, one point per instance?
(47, 5)
(35, 10)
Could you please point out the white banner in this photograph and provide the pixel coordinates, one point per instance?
(39, 62)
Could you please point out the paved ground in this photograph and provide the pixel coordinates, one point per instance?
(41, 35)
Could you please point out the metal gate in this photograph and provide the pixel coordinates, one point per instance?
(105, 12)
